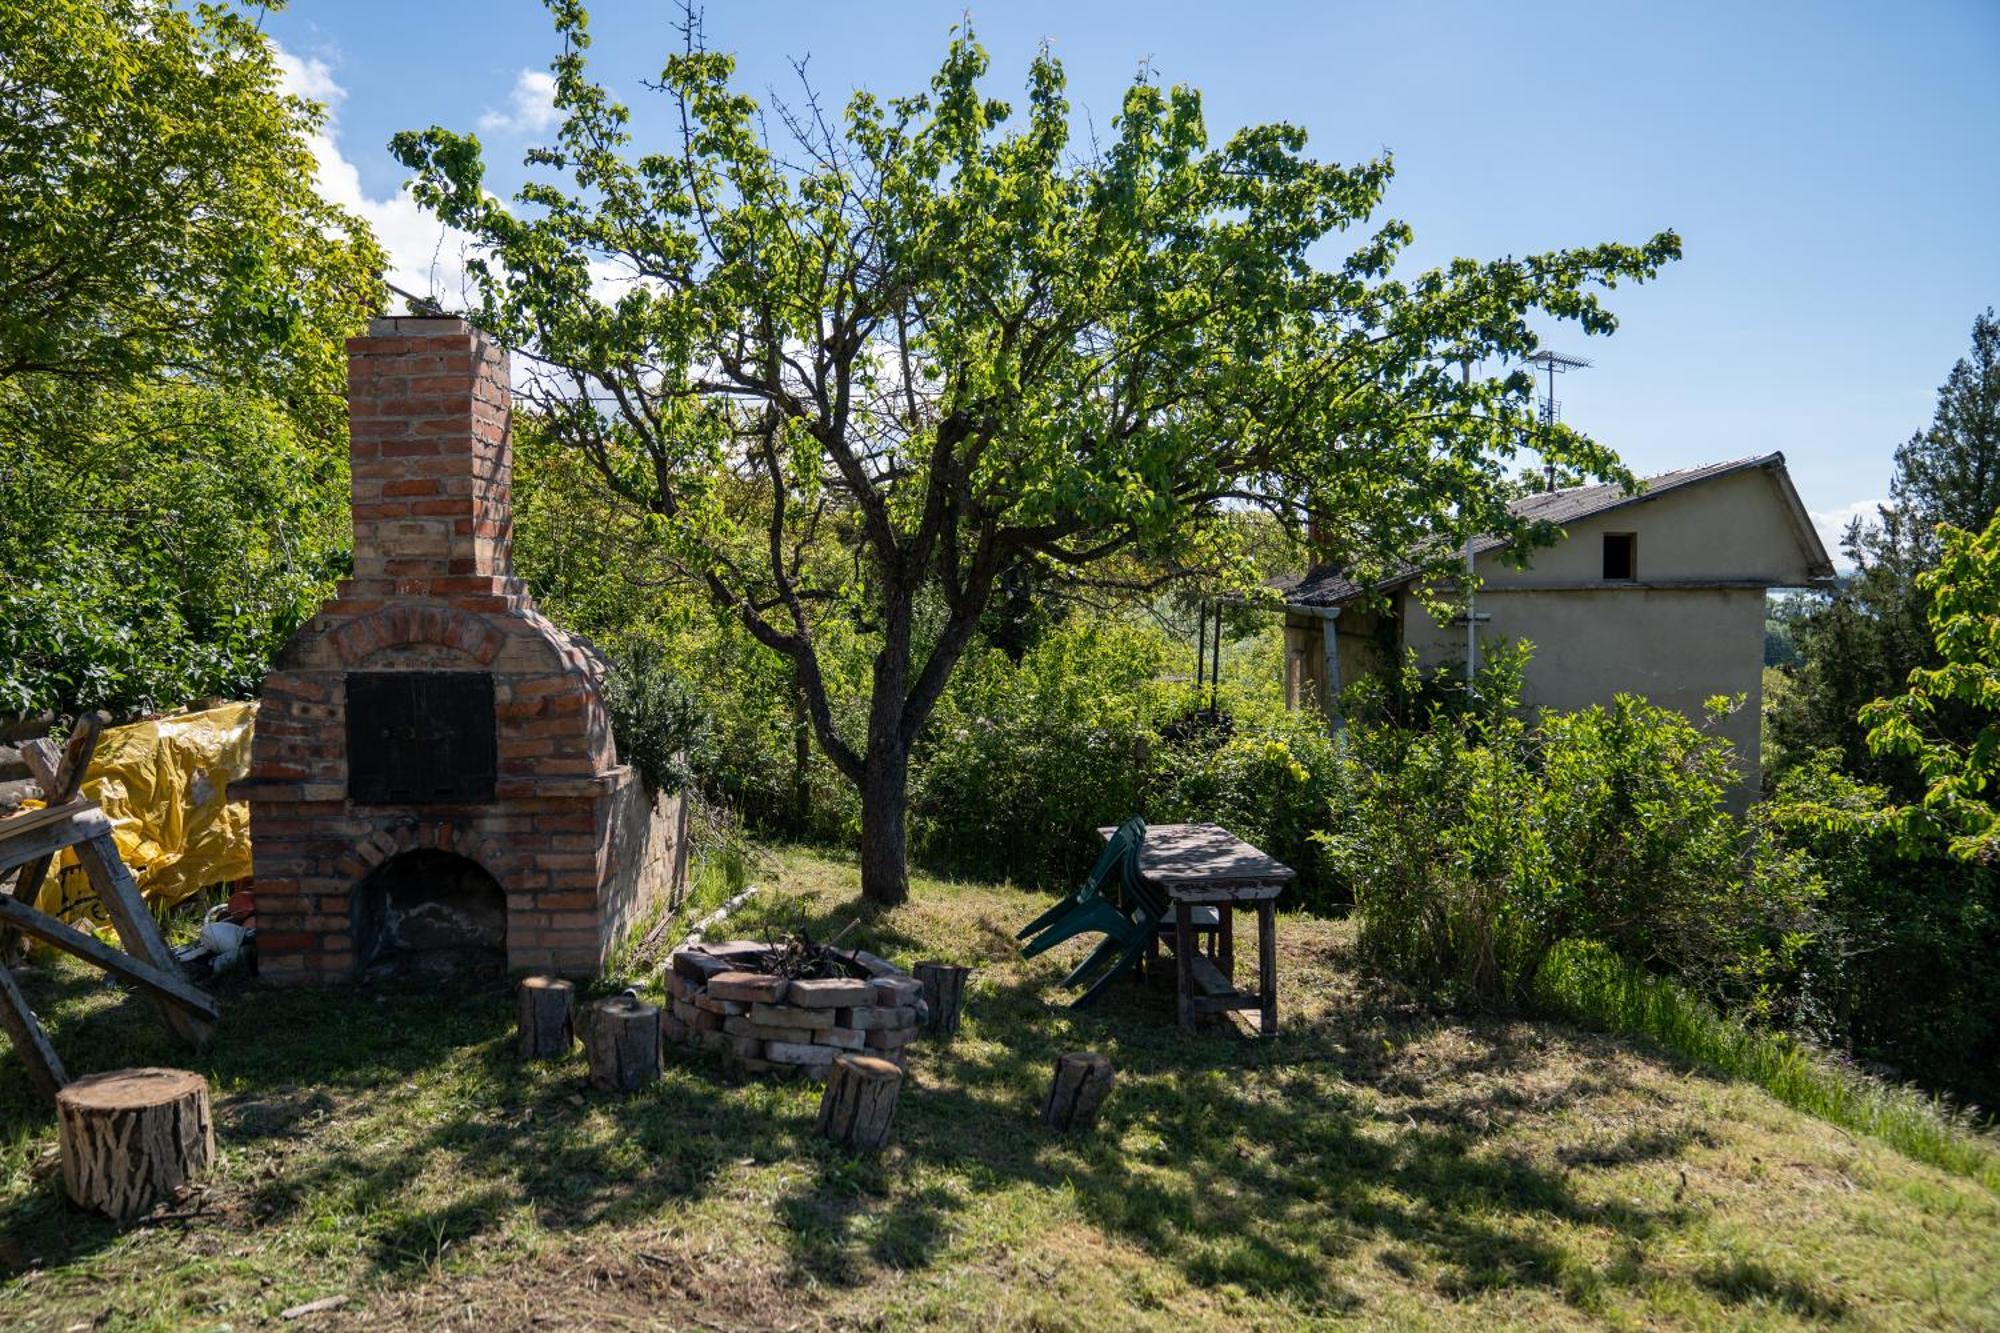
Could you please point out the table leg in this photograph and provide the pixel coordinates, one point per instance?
(1225, 929)
(1184, 962)
(1267, 964)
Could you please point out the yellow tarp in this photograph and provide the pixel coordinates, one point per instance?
(165, 786)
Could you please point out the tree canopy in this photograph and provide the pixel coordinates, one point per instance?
(173, 296)
(866, 366)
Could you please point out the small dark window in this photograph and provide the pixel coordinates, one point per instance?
(1621, 556)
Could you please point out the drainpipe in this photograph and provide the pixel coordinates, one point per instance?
(1471, 619)
(1329, 647)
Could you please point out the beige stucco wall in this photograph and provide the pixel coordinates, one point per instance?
(1677, 647)
(1690, 625)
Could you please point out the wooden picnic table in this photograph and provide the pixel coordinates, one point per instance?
(1205, 865)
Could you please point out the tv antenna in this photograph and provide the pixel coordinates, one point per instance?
(1554, 364)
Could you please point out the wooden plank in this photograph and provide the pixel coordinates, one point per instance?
(1208, 864)
(45, 1070)
(49, 930)
(140, 934)
(71, 824)
(14, 826)
(1235, 1001)
(1225, 942)
(44, 760)
(1208, 978)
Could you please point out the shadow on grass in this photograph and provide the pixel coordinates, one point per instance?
(403, 1115)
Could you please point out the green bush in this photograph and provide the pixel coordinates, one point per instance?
(1478, 842)
(660, 725)
(1902, 974)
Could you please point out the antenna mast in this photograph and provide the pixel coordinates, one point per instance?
(1554, 364)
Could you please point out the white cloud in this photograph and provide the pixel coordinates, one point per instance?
(425, 256)
(1832, 526)
(531, 106)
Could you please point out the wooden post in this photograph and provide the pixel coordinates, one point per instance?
(1082, 1080)
(45, 1070)
(859, 1103)
(548, 1018)
(944, 992)
(132, 1137)
(1184, 963)
(622, 1036)
(1267, 965)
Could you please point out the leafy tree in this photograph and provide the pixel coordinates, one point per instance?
(1960, 766)
(929, 336)
(173, 295)
(1862, 643)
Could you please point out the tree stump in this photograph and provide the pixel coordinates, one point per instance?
(623, 1039)
(1078, 1089)
(548, 1018)
(944, 992)
(132, 1137)
(860, 1101)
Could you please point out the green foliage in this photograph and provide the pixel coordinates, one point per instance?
(1862, 644)
(866, 379)
(1901, 974)
(1959, 766)
(661, 727)
(1477, 842)
(173, 296)
(157, 209)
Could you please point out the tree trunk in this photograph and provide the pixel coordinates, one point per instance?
(132, 1137)
(885, 871)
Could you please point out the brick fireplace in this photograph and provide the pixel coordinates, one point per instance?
(434, 783)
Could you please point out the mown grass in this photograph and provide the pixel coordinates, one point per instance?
(1376, 1162)
(1591, 986)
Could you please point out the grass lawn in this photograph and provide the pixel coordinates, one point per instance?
(1375, 1162)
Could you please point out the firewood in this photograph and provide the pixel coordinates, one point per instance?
(622, 1036)
(944, 992)
(859, 1103)
(132, 1137)
(1082, 1080)
(548, 1018)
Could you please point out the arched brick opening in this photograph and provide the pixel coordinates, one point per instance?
(427, 912)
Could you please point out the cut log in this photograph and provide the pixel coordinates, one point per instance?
(859, 1103)
(1081, 1081)
(132, 1137)
(944, 992)
(622, 1036)
(548, 1018)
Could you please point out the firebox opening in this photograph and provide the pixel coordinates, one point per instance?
(429, 913)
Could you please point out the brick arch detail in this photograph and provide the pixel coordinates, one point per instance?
(395, 626)
(454, 836)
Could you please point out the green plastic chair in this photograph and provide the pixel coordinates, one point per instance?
(1118, 858)
(1125, 943)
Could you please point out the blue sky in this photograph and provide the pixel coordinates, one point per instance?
(1833, 168)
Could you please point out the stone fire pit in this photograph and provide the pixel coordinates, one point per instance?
(730, 997)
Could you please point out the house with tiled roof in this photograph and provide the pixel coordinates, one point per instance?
(1658, 591)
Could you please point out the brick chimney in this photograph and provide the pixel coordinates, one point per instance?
(431, 458)
(434, 782)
